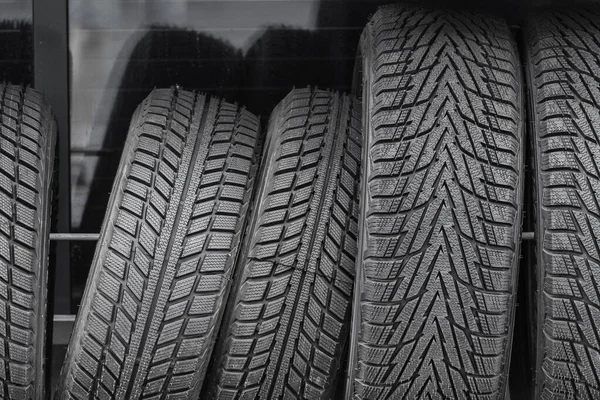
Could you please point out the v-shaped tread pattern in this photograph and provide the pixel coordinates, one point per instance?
(441, 206)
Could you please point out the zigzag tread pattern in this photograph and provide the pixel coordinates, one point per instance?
(564, 66)
(288, 324)
(164, 262)
(441, 213)
(27, 139)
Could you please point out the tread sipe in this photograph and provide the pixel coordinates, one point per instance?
(440, 208)
(164, 261)
(563, 69)
(27, 141)
(287, 325)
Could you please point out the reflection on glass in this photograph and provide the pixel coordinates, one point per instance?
(16, 57)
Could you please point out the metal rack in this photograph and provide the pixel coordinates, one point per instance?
(96, 236)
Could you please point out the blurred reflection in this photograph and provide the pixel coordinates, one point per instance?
(16, 56)
(108, 37)
(284, 57)
(16, 46)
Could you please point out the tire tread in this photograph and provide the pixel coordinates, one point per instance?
(163, 265)
(289, 322)
(27, 140)
(442, 205)
(564, 63)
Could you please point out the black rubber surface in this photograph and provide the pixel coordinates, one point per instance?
(288, 321)
(440, 208)
(170, 239)
(27, 141)
(564, 68)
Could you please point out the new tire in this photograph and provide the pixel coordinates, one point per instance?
(288, 318)
(169, 242)
(441, 205)
(27, 141)
(563, 60)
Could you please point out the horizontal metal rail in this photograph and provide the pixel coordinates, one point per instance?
(527, 236)
(96, 236)
(74, 236)
(62, 328)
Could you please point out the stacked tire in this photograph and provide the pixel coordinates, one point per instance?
(366, 247)
(290, 311)
(162, 270)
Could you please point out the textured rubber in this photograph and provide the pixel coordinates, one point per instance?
(441, 207)
(564, 66)
(27, 142)
(286, 329)
(163, 265)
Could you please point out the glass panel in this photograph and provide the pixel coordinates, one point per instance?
(16, 46)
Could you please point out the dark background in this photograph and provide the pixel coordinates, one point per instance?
(252, 52)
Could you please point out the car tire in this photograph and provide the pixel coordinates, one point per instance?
(441, 204)
(287, 322)
(163, 264)
(27, 144)
(562, 70)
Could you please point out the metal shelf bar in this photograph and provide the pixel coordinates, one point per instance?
(74, 236)
(96, 236)
(527, 236)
